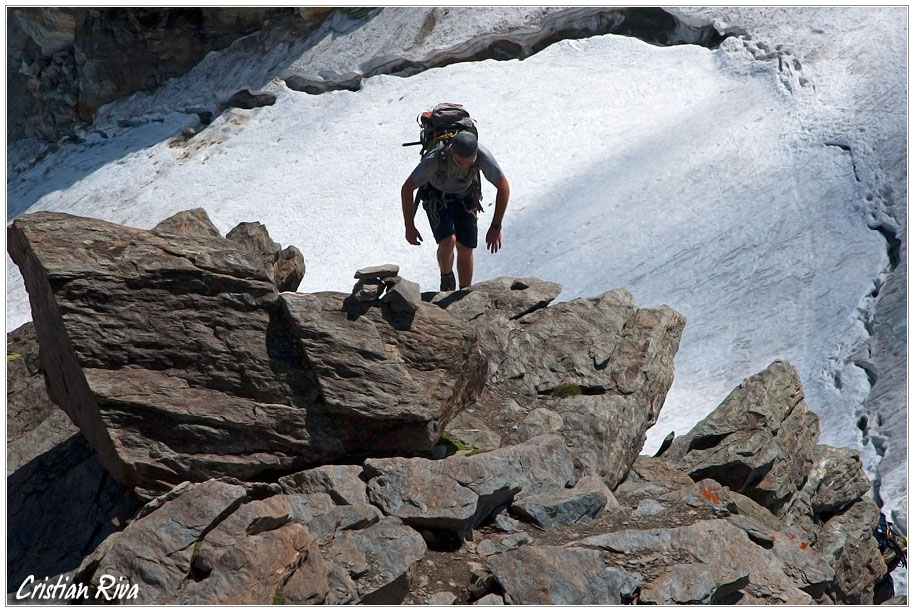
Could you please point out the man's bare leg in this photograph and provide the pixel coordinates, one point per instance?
(446, 254)
(464, 265)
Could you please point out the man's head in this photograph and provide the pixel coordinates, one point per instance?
(463, 148)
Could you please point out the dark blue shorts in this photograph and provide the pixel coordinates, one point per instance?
(454, 218)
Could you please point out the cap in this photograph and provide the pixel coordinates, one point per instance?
(465, 144)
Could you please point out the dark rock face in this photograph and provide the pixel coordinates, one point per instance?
(178, 359)
(34, 424)
(64, 63)
(53, 476)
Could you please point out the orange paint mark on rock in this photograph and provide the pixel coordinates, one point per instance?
(804, 545)
(710, 495)
(793, 536)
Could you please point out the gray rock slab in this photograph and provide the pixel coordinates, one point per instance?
(651, 476)
(384, 271)
(587, 499)
(460, 492)
(245, 559)
(156, 551)
(694, 583)
(342, 483)
(847, 543)
(717, 543)
(553, 575)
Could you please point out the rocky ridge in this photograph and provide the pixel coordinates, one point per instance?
(478, 446)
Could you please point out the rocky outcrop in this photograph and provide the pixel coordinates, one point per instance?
(179, 360)
(286, 267)
(759, 441)
(233, 410)
(594, 370)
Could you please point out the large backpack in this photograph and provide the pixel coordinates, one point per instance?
(438, 127)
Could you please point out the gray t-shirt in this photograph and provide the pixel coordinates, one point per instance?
(455, 181)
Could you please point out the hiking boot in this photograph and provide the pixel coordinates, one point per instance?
(448, 282)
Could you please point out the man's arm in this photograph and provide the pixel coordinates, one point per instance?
(493, 236)
(409, 210)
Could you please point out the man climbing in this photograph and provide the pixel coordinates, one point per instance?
(449, 187)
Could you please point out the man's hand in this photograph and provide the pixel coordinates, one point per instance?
(412, 235)
(493, 239)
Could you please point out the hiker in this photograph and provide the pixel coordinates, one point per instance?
(449, 187)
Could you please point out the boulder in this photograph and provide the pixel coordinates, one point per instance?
(694, 583)
(847, 543)
(555, 575)
(245, 558)
(376, 564)
(458, 493)
(594, 370)
(758, 442)
(836, 479)
(716, 543)
(157, 550)
(588, 498)
(341, 482)
(604, 432)
(289, 269)
(178, 359)
(194, 222)
(404, 381)
(652, 476)
(285, 267)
